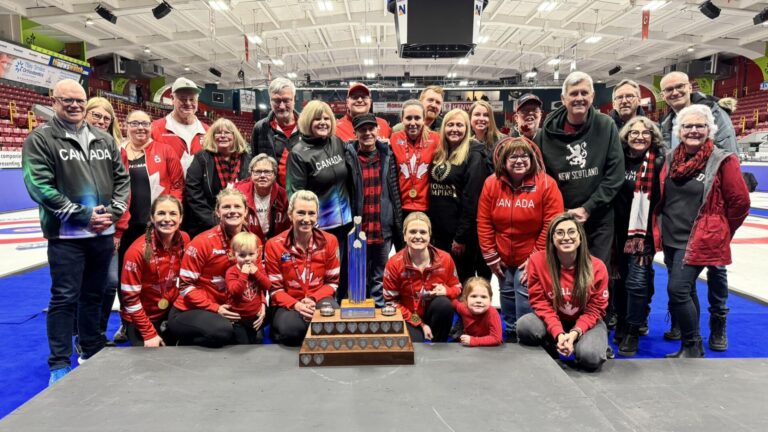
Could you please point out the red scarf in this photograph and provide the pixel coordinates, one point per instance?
(641, 206)
(682, 168)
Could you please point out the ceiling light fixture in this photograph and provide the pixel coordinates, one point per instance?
(483, 39)
(186, 68)
(554, 61)
(370, 75)
(690, 49)
(547, 6)
(161, 10)
(655, 5)
(532, 74)
(291, 75)
(593, 39)
(277, 62)
(325, 5)
(365, 38)
(709, 10)
(368, 62)
(463, 83)
(147, 50)
(218, 5)
(463, 61)
(408, 84)
(638, 67)
(88, 21)
(255, 39)
(106, 14)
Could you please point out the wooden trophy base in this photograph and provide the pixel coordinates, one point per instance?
(333, 341)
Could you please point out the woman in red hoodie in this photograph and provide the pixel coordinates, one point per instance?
(568, 291)
(267, 200)
(515, 208)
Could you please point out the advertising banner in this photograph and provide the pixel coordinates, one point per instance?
(10, 159)
(247, 100)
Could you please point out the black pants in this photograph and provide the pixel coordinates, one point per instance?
(683, 297)
(341, 235)
(136, 339)
(439, 318)
(599, 228)
(200, 327)
(633, 291)
(245, 334)
(289, 328)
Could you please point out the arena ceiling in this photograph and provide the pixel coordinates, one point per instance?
(329, 39)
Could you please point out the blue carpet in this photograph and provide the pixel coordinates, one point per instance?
(758, 212)
(23, 340)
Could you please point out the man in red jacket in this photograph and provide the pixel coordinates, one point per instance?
(181, 129)
(359, 102)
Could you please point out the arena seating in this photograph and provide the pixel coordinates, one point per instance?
(751, 114)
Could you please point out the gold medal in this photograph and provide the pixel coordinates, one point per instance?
(412, 193)
(163, 304)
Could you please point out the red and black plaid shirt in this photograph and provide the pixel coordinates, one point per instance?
(371, 164)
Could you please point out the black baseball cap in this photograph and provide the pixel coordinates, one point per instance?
(364, 119)
(528, 97)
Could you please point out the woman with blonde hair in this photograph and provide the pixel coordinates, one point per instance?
(320, 162)
(99, 113)
(456, 178)
(222, 163)
(483, 124)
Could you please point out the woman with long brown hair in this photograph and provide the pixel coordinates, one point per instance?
(484, 130)
(568, 292)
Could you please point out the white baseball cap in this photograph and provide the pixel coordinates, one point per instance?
(182, 83)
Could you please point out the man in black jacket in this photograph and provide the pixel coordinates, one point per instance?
(75, 173)
(276, 134)
(381, 209)
(626, 102)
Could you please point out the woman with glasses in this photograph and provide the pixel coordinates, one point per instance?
(516, 206)
(222, 163)
(703, 201)
(267, 200)
(456, 179)
(99, 113)
(643, 159)
(568, 291)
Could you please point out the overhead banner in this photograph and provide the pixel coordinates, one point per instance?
(396, 107)
(31, 67)
(247, 100)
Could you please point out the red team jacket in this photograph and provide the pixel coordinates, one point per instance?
(541, 293)
(177, 145)
(413, 163)
(512, 223)
(295, 275)
(405, 285)
(247, 292)
(485, 329)
(144, 284)
(203, 272)
(346, 132)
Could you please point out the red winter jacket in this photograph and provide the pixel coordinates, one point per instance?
(725, 205)
(483, 330)
(512, 222)
(287, 268)
(413, 163)
(203, 272)
(406, 286)
(346, 132)
(278, 210)
(162, 134)
(541, 295)
(144, 283)
(247, 292)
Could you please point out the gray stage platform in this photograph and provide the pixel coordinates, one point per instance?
(451, 388)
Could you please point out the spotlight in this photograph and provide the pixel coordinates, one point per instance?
(106, 14)
(761, 17)
(215, 71)
(709, 10)
(241, 75)
(615, 70)
(161, 10)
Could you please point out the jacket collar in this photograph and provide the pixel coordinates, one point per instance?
(434, 263)
(318, 240)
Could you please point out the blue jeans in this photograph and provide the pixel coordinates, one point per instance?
(376, 257)
(513, 296)
(683, 298)
(717, 290)
(78, 274)
(632, 291)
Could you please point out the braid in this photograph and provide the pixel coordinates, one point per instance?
(148, 242)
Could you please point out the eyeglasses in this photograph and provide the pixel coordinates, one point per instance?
(571, 233)
(692, 126)
(628, 98)
(70, 101)
(99, 117)
(527, 111)
(223, 132)
(637, 133)
(136, 124)
(356, 97)
(260, 173)
(278, 101)
(523, 158)
(675, 88)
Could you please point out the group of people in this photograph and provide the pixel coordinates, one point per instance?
(212, 238)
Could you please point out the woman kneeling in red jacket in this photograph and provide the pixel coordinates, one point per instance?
(421, 281)
(568, 291)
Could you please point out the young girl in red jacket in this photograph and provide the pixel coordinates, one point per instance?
(482, 324)
(247, 283)
(568, 291)
(151, 272)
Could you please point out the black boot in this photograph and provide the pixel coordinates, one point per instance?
(674, 331)
(643, 330)
(610, 320)
(621, 330)
(718, 340)
(689, 349)
(628, 346)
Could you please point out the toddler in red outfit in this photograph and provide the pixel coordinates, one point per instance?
(482, 323)
(247, 283)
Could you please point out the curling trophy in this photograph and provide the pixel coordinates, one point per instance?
(358, 334)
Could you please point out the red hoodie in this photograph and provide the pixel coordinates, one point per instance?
(203, 270)
(405, 285)
(413, 162)
(541, 295)
(145, 283)
(512, 222)
(247, 291)
(484, 330)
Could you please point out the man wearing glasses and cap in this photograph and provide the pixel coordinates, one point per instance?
(75, 173)
(181, 129)
(359, 103)
(527, 116)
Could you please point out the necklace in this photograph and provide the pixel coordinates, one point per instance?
(441, 171)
